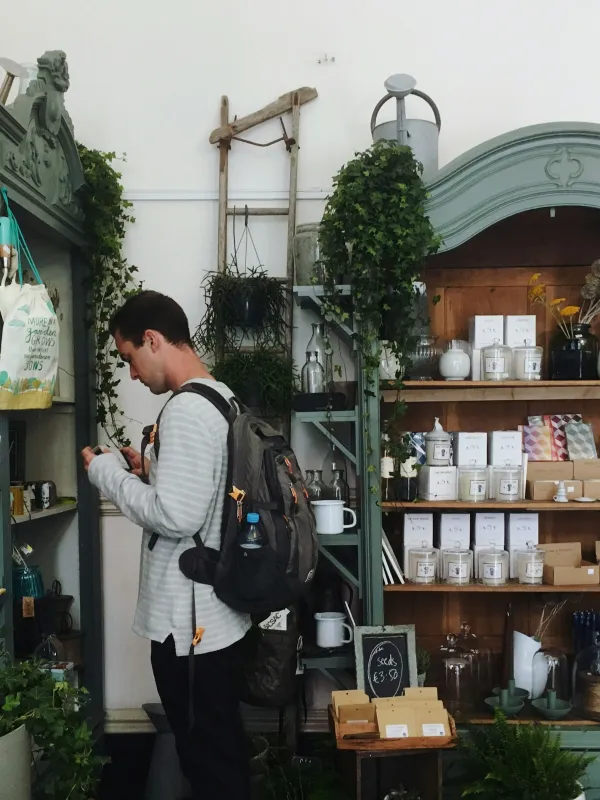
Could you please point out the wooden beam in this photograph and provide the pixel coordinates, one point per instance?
(281, 106)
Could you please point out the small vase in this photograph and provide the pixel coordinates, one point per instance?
(424, 360)
(574, 358)
(455, 364)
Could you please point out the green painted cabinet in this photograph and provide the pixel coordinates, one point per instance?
(41, 170)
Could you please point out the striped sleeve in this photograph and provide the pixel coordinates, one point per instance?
(193, 439)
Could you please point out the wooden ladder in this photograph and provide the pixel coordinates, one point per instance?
(223, 137)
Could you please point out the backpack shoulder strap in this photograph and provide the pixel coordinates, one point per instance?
(151, 435)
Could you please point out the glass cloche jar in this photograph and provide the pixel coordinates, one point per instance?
(496, 362)
(527, 362)
(586, 681)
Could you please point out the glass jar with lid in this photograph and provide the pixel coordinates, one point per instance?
(472, 484)
(438, 446)
(527, 362)
(530, 565)
(423, 564)
(507, 484)
(306, 254)
(457, 565)
(496, 362)
(493, 567)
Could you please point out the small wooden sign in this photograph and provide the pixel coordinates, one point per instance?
(386, 659)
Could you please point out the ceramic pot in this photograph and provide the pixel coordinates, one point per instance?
(455, 364)
(15, 764)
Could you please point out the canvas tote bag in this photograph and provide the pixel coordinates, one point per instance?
(29, 347)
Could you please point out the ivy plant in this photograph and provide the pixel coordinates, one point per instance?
(54, 714)
(113, 279)
(376, 233)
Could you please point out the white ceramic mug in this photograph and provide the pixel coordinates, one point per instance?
(330, 629)
(329, 516)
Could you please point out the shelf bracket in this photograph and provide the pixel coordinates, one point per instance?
(328, 435)
(340, 567)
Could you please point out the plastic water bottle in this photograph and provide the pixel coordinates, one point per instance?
(250, 537)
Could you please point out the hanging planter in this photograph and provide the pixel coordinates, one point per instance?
(241, 303)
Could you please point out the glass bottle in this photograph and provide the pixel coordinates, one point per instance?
(387, 471)
(313, 375)
(321, 346)
(406, 485)
(338, 489)
(316, 488)
(334, 459)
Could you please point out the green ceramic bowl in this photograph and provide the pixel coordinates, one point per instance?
(511, 710)
(561, 709)
(521, 694)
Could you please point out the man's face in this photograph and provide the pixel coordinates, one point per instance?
(145, 362)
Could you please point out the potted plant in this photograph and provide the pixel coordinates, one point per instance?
(241, 304)
(573, 348)
(262, 379)
(513, 762)
(423, 664)
(37, 710)
(375, 231)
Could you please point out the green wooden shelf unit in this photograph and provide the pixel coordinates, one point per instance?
(542, 167)
(42, 172)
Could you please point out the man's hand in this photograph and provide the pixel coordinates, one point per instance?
(88, 455)
(135, 460)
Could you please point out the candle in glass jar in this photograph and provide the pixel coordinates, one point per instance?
(506, 484)
(457, 566)
(423, 565)
(527, 362)
(530, 565)
(493, 567)
(472, 484)
(496, 362)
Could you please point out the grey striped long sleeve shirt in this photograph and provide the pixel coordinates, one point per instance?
(185, 495)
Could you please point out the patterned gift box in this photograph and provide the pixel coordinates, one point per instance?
(556, 423)
(537, 442)
(580, 441)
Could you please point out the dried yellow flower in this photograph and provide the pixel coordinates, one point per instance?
(558, 301)
(535, 278)
(536, 292)
(569, 311)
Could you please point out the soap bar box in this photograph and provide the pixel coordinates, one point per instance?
(418, 531)
(484, 330)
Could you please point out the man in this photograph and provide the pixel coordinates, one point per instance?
(185, 495)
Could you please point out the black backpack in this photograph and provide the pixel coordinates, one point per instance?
(263, 476)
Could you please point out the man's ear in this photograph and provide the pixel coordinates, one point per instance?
(153, 339)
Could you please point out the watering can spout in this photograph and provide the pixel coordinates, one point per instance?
(419, 134)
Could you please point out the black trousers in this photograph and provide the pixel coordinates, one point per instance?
(213, 755)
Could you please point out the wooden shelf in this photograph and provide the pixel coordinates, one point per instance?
(61, 508)
(457, 505)
(479, 587)
(491, 391)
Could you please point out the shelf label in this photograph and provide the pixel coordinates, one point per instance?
(28, 608)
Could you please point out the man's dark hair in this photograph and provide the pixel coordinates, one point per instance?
(154, 311)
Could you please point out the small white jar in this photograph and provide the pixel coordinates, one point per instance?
(496, 362)
(527, 362)
(455, 364)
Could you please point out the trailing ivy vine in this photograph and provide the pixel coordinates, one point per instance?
(113, 279)
(376, 234)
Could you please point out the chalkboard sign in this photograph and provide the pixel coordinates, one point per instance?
(386, 659)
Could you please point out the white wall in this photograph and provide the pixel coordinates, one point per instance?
(146, 78)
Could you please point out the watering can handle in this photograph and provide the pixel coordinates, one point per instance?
(415, 93)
